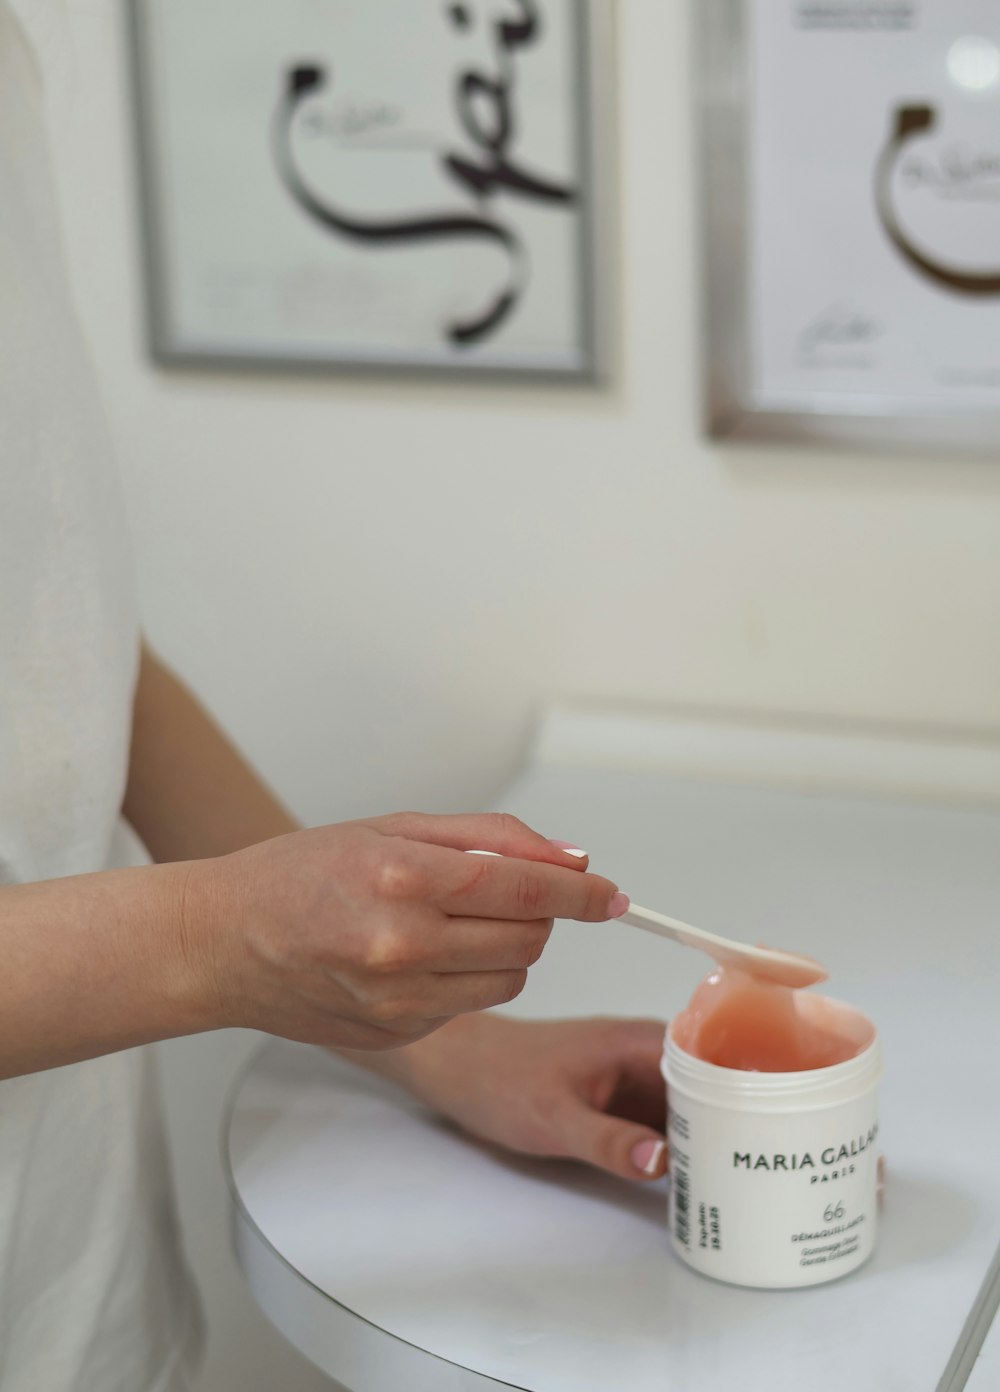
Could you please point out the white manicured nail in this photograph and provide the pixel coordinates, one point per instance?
(655, 1158)
(568, 848)
(646, 1156)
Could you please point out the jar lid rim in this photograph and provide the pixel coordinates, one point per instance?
(816, 1085)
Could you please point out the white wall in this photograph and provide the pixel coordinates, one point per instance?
(377, 584)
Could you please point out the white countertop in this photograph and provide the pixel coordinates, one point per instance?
(554, 1279)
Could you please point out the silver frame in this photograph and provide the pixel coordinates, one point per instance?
(592, 30)
(731, 412)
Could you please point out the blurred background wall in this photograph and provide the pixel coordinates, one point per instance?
(378, 583)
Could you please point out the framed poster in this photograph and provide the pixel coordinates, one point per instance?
(368, 183)
(850, 164)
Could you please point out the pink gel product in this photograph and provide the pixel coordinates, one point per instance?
(736, 1020)
(773, 1128)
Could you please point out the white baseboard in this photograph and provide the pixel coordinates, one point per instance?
(936, 766)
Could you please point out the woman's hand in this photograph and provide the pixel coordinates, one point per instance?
(372, 934)
(586, 1090)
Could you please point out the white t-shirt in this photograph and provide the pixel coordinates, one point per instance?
(94, 1296)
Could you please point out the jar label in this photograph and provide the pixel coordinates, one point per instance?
(763, 1199)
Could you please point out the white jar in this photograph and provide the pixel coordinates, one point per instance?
(773, 1175)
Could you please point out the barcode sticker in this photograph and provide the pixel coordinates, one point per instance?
(682, 1201)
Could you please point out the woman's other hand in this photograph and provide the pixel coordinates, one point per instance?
(587, 1090)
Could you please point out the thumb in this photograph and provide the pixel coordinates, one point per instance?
(621, 1147)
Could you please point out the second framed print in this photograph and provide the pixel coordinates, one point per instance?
(851, 174)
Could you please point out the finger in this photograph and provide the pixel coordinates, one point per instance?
(485, 831)
(505, 888)
(619, 1147)
(635, 1049)
(637, 1045)
(464, 993)
(640, 1099)
(420, 1003)
(484, 945)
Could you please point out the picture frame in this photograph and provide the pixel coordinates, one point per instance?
(849, 156)
(339, 185)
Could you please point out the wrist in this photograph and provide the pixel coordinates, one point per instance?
(428, 1068)
(200, 981)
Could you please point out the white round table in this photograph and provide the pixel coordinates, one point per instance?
(406, 1256)
(397, 1254)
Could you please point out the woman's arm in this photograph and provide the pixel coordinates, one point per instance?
(588, 1089)
(190, 793)
(363, 935)
(97, 963)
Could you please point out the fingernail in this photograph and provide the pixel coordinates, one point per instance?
(568, 848)
(646, 1156)
(489, 853)
(619, 905)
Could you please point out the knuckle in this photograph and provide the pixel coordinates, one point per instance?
(388, 952)
(596, 898)
(399, 879)
(396, 823)
(507, 826)
(535, 945)
(532, 953)
(530, 895)
(513, 986)
(607, 1146)
(386, 1010)
(479, 871)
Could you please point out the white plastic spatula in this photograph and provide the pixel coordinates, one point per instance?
(770, 963)
(783, 967)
